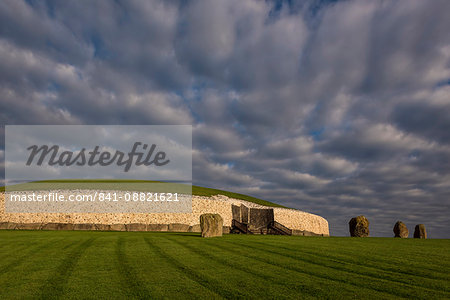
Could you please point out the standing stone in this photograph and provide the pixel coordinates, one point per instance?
(244, 214)
(236, 212)
(420, 232)
(400, 230)
(211, 225)
(359, 226)
(261, 217)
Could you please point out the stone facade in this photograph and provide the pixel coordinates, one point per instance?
(219, 204)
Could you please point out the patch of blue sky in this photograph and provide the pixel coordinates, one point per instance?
(100, 49)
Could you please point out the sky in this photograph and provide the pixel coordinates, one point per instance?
(336, 108)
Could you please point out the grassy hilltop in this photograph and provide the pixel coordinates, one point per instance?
(137, 265)
(136, 185)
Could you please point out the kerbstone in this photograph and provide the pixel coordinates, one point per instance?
(176, 227)
(157, 227)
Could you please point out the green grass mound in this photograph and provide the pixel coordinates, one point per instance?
(202, 191)
(136, 185)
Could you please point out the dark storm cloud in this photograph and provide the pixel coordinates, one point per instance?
(337, 108)
(430, 121)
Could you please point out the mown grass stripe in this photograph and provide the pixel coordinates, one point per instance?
(319, 280)
(298, 286)
(369, 261)
(247, 271)
(129, 279)
(351, 248)
(23, 257)
(308, 271)
(54, 286)
(370, 283)
(210, 284)
(220, 260)
(28, 265)
(346, 267)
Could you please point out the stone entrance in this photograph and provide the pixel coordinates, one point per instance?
(256, 221)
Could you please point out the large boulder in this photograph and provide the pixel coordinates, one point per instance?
(211, 225)
(400, 230)
(359, 226)
(420, 232)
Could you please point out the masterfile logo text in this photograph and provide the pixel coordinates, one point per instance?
(153, 160)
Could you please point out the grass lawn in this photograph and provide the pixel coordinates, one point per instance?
(118, 265)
